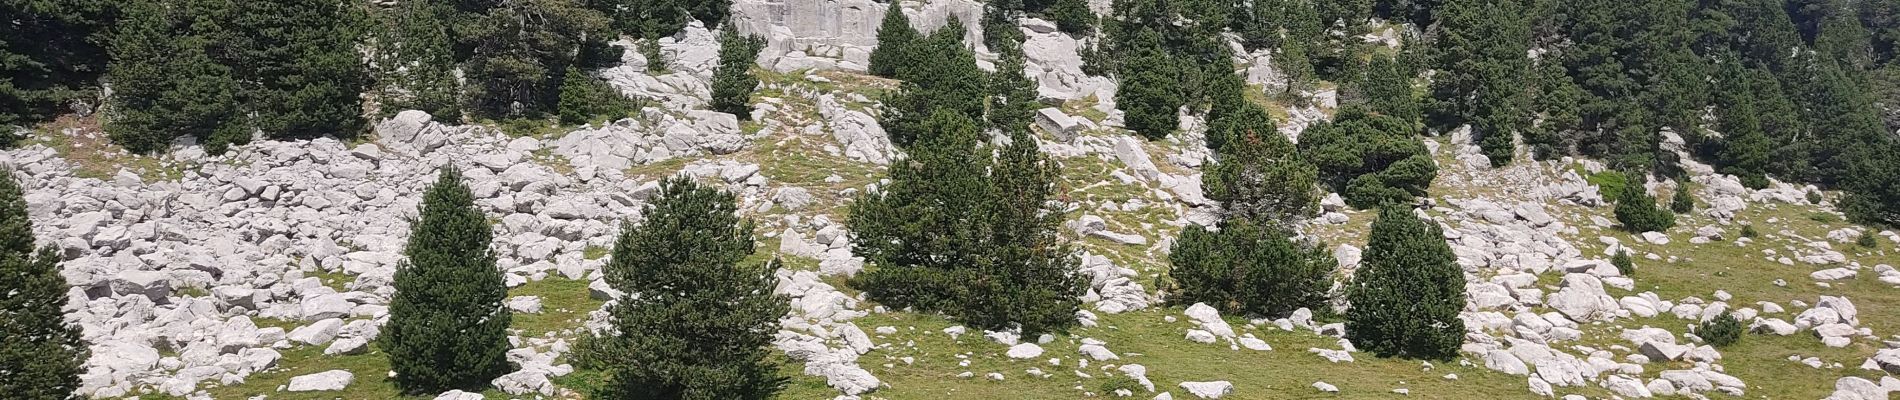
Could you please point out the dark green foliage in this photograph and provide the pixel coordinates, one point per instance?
(298, 61)
(586, 99)
(895, 37)
(1482, 72)
(166, 85)
(910, 230)
(50, 54)
(1554, 99)
(1721, 331)
(1407, 292)
(1682, 202)
(1073, 17)
(521, 52)
(1370, 159)
(1866, 239)
(945, 78)
(447, 308)
(1814, 197)
(40, 352)
(732, 80)
(960, 232)
(1001, 21)
(1249, 269)
(1150, 95)
(1031, 281)
(1012, 94)
(654, 19)
(417, 64)
(1388, 89)
(1637, 72)
(1260, 176)
(1874, 198)
(1622, 263)
(695, 321)
(1638, 212)
(1745, 148)
(1748, 231)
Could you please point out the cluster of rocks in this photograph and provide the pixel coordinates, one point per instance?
(658, 135)
(689, 59)
(311, 233)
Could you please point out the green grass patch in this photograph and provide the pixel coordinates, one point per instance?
(564, 305)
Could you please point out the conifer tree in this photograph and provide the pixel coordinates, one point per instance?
(1012, 94)
(1638, 212)
(1388, 89)
(696, 320)
(165, 84)
(895, 37)
(917, 229)
(585, 99)
(1073, 17)
(944, 78)
(1260, 176)
(1407, 291)
(952, 234)
(447, 309)
(1032, 283)
(417, 61)
(1370, 159)
(1481, 52)
(1250, 269)
(40, 352)
(1150, 92)
(1682, 202)
(732, 79)
(522, 49)
(299, 61)
(53, 51)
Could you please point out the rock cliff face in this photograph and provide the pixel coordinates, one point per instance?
(838, 34)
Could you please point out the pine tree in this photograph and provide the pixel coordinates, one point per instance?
(447, 309)
(1033, 283)
(1073, 17)
(1012, 94)
(40, 352)
(1481, 49)
(521, 50)
(1407, 292)
(732, 79)
(415, 69)
(916, 230)
(585, 99)
(952, 234)
(696, 320)
(1150, 93)
(895, 37)
(1682, 202)
(1370, 159)
(166, 85)
(1638, 213)
(54, 52)
(948, 81)
(1260, 176)
(1247, 268)
(1388, 89)
(301, 65)
(1622, 263)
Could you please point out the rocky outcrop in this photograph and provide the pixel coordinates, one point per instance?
(838, 34)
